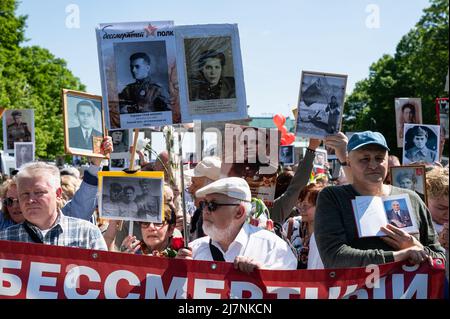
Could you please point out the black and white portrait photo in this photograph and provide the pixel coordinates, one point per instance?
(421, 143)
(442, 108)
(121, 141)
(18, 126)
(286, 154)
(321, 103)
(83, 120)
(209, 64)
(142, 77)
(23, 153)
(117, 164)
(407, 111)
(131, 198)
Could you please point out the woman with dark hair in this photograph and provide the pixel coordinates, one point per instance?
(209, 83)
(408, 115)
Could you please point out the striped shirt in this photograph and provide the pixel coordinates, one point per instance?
(67, 231)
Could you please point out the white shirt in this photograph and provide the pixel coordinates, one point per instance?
(262, 245)
(314, 260)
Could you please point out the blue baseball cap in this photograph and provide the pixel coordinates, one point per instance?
(361, 139)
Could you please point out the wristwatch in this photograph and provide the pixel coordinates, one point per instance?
(342, 163)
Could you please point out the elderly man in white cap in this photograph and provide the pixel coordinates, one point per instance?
(206, 172)
(225, 204)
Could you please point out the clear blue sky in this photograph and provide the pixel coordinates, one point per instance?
(279, 39)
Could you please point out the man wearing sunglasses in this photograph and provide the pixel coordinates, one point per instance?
(225, 204)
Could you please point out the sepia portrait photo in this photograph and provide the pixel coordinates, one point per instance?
(421, 143)
(320, 104)
(83, 122)
(407, 111)
(412, 177)
(23, 153)
(136, 197)
(18, 126)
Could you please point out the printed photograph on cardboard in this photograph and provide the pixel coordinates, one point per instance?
(18, 126)
(407, 111)
(138, 73)
(23, 153)
(122, 140)
(137, 198)
(412, 177)
(286, 154)
(442, 113)
(320, 104)
(421, 143)
(210, 72)
(83, 120)
(252, 154)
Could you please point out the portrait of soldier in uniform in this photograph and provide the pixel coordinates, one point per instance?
(18, 130)
(81, 135)
(120, 141)
(143, 95)
(421, 145)
(210, 83)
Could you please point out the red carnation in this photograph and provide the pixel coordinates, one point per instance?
(177, 243)
(254, 222)
(269, 224)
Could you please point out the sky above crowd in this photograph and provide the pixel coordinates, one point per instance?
(278, 39)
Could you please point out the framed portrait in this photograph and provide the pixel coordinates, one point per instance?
(122, 140)
(136, 197)
(83, 122)
(251, 153)
(407, 111)
(442, 115)
(210, 73)
(138, 74)
(412, 177)
(421, 143)
(18, 126)
(286, 154)
(23, 153)
(320, 104)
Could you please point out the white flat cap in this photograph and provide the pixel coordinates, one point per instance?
(208, 167)
(233, 187)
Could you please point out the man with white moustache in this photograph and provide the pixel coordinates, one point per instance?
(226, 203)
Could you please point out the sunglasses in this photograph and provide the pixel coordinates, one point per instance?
(10, 201)
(147, 224)
(213, 206)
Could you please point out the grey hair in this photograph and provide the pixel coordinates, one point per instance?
(34, 169)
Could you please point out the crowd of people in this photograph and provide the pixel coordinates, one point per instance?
(43, 204)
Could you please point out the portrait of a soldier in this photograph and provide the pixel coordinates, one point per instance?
(17, 131)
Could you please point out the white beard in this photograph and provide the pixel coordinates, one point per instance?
(216, 234)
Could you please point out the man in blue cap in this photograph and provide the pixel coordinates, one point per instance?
(335, 228)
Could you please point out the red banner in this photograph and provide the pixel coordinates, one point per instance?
(43, 271)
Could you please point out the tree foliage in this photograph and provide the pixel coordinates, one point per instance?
(417, 69)
(32, 78)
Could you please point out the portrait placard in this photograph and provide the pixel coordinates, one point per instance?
(18, 126)
(83, 119)
(136, 197)
(421, 144)
(320, 104)
(23, 153)
(251, 153)
(122, 140)
(287, 154)
(442, 115)
(412, 177)
(211, 78)
(138, 74)
(407, 110)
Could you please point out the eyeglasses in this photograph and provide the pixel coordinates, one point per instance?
(212, 206)
(156, 225)
(9, 201)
